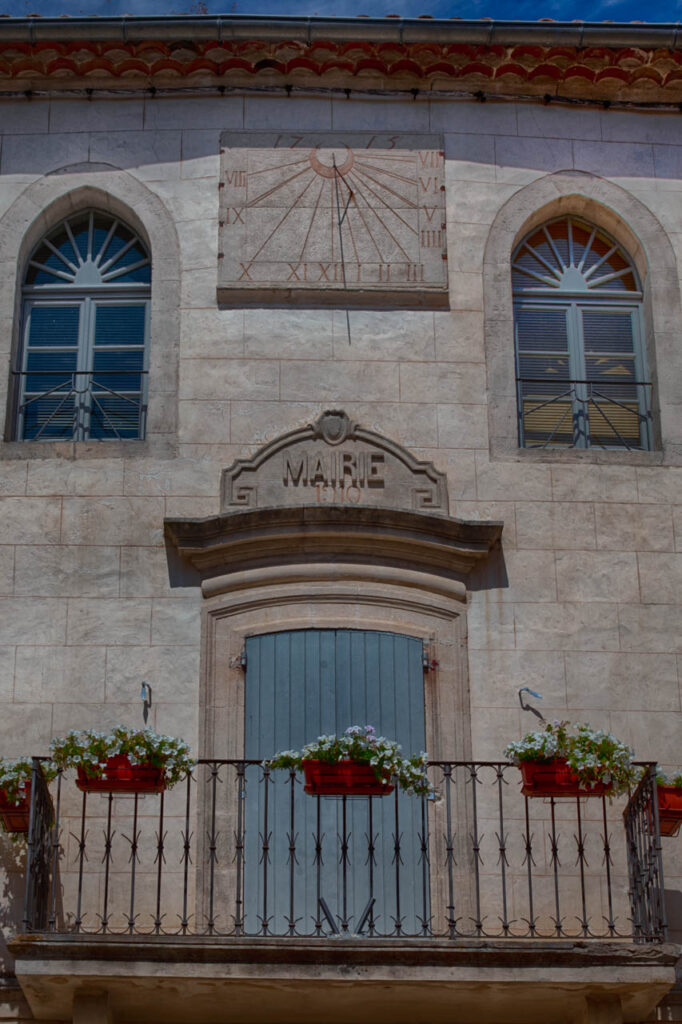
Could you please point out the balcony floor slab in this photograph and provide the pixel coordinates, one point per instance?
(302, 981)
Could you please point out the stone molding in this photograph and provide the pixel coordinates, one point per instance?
(39, 208)
(636, 228)
(251, 580)
(381, 472)
(324, 533)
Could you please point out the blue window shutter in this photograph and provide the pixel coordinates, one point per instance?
(299, 685)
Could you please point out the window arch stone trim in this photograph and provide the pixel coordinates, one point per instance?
(40, 207)
(633, 226)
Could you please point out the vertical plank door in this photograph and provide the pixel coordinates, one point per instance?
(301, 849)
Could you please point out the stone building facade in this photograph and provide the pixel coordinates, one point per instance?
(225, 514)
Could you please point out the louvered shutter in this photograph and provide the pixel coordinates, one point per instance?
(118, 359)
(544, 372)
(50, 360)
(610, 366)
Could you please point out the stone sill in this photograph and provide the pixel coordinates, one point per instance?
(504, 451)
(161, 446)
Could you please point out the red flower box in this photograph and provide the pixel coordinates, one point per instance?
(15, 816)
(120, 776)
(344, 778)
(555, 778)
(669, 809)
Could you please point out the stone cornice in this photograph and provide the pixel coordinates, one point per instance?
(237, 541)
(603, 62)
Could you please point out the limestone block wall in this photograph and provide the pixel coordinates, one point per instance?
(585, 604)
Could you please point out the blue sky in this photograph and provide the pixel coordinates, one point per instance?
(561, 10)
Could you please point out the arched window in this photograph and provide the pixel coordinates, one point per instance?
(82, 367)
(580, 367)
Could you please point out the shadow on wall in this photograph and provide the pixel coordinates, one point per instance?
(491, 574)
(501, 139)
(180, 574)
(673, 906)
(12, 865)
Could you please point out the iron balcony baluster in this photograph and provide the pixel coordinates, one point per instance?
(397, 860)
(265, 837)
(529, 861)
(344, 860)
(38, 852)
(159, 860)
(425, 865)
(133, 864)
(82, 857)
(580, 841)
(318, 837)
(501, 837)
(449, 852)
(239, 850)
(186, 857)
(291, 838)
(607, 863)
(106, 860)
(645, 865)
(371, 862)
(397, 891)
(556, 864)
(579, 395)
(121, 423)
(56, 846)
(474, 781)
(212, 848)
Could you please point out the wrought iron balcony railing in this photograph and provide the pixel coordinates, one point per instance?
(239, 850)
(85, 405)
(603, 413)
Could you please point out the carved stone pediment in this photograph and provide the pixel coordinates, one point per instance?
(334, 461)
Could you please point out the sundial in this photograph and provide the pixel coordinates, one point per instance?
(332, 218)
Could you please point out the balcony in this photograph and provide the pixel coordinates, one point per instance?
(605, 413)
(83, 405)
(238, 866)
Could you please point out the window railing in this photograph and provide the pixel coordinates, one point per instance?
(82, 405)
(600, 413)
(240, 850)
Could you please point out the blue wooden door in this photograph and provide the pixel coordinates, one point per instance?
(316, 864)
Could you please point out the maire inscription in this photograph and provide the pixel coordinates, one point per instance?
(335, 476)
(337, 462)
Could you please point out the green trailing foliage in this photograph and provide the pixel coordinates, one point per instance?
(593, 755)
(89, 750)
(361, 744)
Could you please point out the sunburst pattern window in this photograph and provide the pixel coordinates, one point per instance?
(83, 362)
(580, 365)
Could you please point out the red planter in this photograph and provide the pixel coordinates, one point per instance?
(15, 816)
(669, 809)
(120, 776)
(555, 778)
(345, 778)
